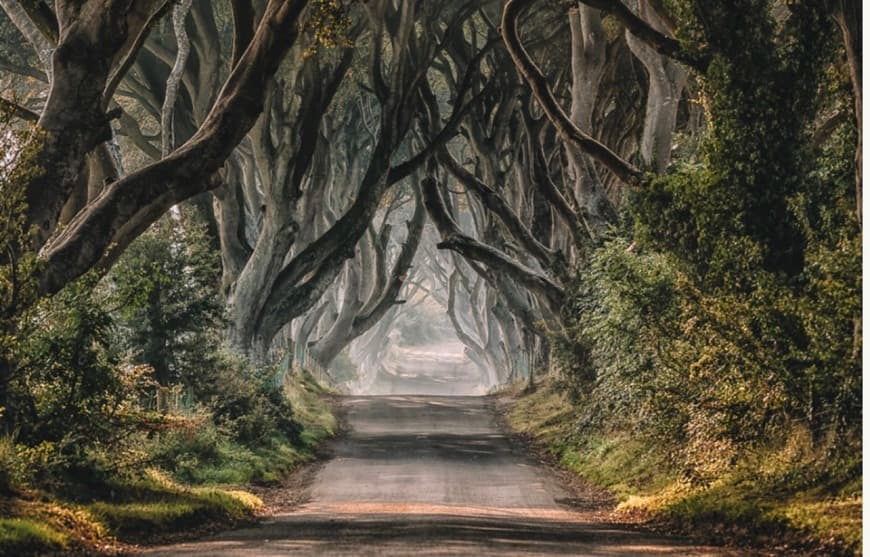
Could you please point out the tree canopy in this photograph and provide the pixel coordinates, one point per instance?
(657, 200)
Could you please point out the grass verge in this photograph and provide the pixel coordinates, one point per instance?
(756, 502)
(152, 505)
(202, 456)
(37, 523)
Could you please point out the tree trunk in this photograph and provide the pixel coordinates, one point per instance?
(588, 66)
(847, 14)
(666, 82)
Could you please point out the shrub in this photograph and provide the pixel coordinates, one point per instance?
(249, 404)
(69, 396)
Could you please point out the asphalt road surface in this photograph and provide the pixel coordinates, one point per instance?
(423, 475)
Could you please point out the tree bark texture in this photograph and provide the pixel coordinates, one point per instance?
(100, 233)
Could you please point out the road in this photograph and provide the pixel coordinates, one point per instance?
(423, 475)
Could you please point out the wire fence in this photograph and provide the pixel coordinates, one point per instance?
(300, 359)
(179, 400)
(174, 399)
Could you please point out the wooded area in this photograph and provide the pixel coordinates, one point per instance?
(657, 201)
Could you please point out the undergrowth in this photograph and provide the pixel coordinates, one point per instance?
(201, 483)
(205, 453)
(784, 496)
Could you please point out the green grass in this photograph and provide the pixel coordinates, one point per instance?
(234, 464)
(144, 506)
(160, 504)
(156, 504)
(311, 408)
(830, 520)
(782, 494)
(36, 523)
(230, 463)
(616, 462)
(32, 524)
(619, 463)
(20, 536)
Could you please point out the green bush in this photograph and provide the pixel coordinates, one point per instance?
(72, 402)
(733, 322)
(247, 403)
(165, 287)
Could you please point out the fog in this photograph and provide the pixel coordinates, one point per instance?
(419, 354)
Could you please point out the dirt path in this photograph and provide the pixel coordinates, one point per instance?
(420, 475)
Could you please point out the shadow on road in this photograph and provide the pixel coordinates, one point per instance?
(422, 476)
(415, 534)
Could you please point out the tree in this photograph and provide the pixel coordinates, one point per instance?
(94, 45)
(395, 87)
(165, 289)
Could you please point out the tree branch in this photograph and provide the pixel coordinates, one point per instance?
(627, 173)
(453, 239)
(98, 234)
(364, 321)
(33, 26)
(167, 127)
(493, 201)
(18, 111)
(140, 20)
(658, 41)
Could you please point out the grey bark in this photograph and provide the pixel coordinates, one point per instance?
(567, 130)
(454, 239)
(22, 20)
(397, 93)
(588, 66)
(667, 79)
(382, 298)
(99, 234)
(179, 14)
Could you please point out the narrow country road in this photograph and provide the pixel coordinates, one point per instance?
(430, 475)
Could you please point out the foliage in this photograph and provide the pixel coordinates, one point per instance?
(723, 338)
(729, 217)
(756, 501)
(17, 284)
(79, 367)
(73, 402)
(165, 286)
(252, 406)
(330, 24)
(734, 316)
(207, 450)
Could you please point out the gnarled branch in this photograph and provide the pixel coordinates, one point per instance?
(627, 173)
(453, 239)
(98, 234)
(661, 43)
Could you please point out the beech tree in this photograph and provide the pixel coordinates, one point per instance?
(395, 85)
(93, 45)
(302, 133)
